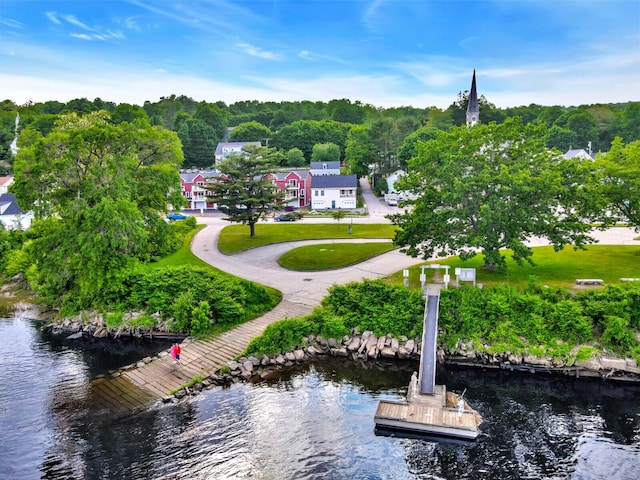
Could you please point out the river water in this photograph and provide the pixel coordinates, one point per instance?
(316, 422)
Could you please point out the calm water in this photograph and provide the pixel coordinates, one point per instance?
(316, 422)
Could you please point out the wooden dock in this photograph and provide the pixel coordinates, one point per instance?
(433, 415)
(148, 382)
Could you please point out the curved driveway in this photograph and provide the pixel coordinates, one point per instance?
(309, 288)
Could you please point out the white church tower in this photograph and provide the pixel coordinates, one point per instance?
(473, 111)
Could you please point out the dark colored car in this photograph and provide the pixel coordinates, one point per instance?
(177, 216)
(284, 218)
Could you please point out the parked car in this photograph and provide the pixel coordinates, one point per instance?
(284, 218)
(177, 216)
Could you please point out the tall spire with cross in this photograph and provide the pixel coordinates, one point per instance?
(473, 111)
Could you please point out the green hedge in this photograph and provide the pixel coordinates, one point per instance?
(542, 321)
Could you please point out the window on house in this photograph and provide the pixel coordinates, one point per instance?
(322, 193)
(293, 182)
(315, 192)
(301, 193)
(324, 166)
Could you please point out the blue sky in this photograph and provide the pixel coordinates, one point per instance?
(383, 52)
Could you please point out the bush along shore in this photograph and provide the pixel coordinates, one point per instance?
(369, 348)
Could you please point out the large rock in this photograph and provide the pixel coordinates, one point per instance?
(248, 366)
(289, 356)
(354, 344)
(590, 364)
(395, 344)
(410, 346)
(388, 352)
(613, 363)
(339, 352)
(298, 355)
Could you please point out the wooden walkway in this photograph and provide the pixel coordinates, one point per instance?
(154, 380)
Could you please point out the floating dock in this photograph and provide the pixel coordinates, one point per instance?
(428, 408)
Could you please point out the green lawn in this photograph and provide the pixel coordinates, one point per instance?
(235, 238)
(331, 255)
(182, 256)
(556, 269)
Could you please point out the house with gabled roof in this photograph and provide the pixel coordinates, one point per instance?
(193, 187)
(296, 184)
(577, 153)
(333, 191)
(11, 215)
(224, 149)
(324, 168)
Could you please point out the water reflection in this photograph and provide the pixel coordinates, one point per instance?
(314, 422)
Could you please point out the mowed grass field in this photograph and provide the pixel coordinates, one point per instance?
(235, 238)
(328, 256)
(555, 269)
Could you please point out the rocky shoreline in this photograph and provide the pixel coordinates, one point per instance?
(358, 346)
(369, 348)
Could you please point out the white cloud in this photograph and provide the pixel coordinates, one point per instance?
(52, 17)
(258, 52)
(82, 36)
(75, 22)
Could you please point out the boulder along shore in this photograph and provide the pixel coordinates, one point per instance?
(358, 346)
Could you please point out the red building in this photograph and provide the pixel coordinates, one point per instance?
(296, 185)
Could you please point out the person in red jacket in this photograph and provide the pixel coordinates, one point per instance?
(178, 352)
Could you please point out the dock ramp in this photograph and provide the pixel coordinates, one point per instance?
(427, 379)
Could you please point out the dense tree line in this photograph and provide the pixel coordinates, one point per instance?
(366, 135)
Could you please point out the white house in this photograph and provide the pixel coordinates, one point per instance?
(333, 191)
(578, 153)
(392, 179)
(4, 184)
(11, 215)
(224, 149)
(318, 169)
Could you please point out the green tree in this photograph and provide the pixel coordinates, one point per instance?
(583, 124)
(408, 148)
(620, 179)
(213, 116)
(359, 150)
(251, 132)
(125, 112)
(98, 191)
(561, 138)
(325, 152)
(492, 187)
(295, 158)
(242, 192)
(199, 143)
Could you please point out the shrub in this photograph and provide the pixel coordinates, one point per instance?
(114, 320)
(280, 336)
(377, 306)
(200, 319)
(617, 335)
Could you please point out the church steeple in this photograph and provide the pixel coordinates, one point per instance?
(473, 111)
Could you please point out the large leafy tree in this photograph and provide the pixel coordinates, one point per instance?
(199, 143)
(98, 191)
(359, 152)
(251, 132)
(325, 152)
(493, 187)
(242, 192)
(620, 170)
